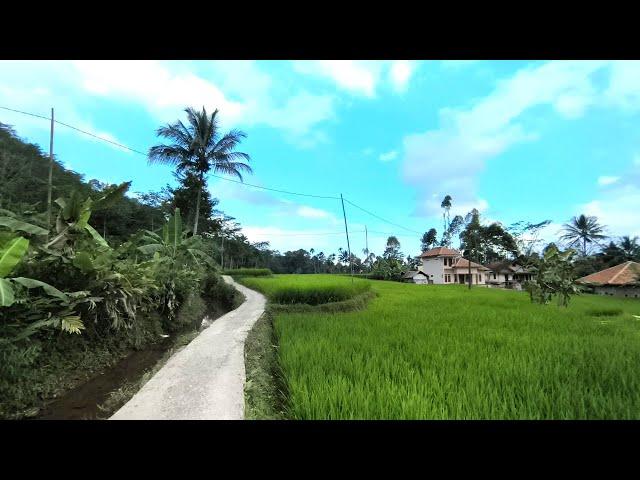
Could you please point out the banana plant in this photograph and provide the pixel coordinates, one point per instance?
(13, 248)
(174, 244)
(74, 214)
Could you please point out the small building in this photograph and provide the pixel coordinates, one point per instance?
(446, 266)
(508, 274)
(415, 276)
(621, 281)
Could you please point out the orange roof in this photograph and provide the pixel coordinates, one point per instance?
(464, 263)
(435, 252)
(623, 274)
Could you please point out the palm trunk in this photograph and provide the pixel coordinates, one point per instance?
(195, 223)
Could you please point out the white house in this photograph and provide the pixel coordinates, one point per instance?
(446, 266)
(415, 276)
(508, 274)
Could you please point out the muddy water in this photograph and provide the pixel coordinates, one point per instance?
(82, 402)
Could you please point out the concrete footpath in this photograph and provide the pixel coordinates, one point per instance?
(204, 380)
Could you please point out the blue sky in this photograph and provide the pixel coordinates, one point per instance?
(519, 140)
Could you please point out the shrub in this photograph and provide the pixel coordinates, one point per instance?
(219, 294)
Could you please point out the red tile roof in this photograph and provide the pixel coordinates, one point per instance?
(623, 274)
(435, 252)
(464, 263)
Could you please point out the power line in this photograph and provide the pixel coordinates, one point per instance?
(303, 234)
(77, 129)
(380, 218)
(218, 176)
(273, 189)
(102, 138)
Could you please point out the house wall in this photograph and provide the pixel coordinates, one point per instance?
(434, 268)
(632, 292)
(474, 272)
(420, 279)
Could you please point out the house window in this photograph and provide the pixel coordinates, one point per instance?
(494, 276)
(447, 278)
(480, 277)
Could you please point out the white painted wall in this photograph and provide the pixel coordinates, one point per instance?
(434, 268)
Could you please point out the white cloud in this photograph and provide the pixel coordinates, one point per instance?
(310, 212)
(367, 151)
(624, 85)
(156, 86)
(617, 210)
(355, 76)
(400, 74)
(360, 77)
(387, 157)
(617, 205)
(457, 64)
(447, 160)
(605, 180)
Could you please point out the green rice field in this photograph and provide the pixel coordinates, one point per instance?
(444, 352)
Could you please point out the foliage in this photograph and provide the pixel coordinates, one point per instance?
(582, 231)
(554, 277)
(429, 239)
(199, 148)
(486, 243)
(249, 272)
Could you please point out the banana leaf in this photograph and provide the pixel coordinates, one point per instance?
(11, 255)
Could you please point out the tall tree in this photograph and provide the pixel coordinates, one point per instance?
(582, 230)
(630, 248)
(429, 239)
(199, 148)
(392, 250)
(446, 205)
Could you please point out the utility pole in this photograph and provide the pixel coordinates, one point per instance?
(366, 246)
(50, 184)
(347, 232)
(222, 253)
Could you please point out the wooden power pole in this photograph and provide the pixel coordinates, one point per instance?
(50, 184)
(347, 232)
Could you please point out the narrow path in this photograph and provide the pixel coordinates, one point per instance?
(204, 380)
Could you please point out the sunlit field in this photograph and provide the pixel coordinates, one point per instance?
(443, 352)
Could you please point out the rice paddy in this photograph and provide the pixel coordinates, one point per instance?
(443, 352)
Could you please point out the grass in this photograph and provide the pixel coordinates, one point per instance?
(249, 272)
(443, 352)
(265, 395)
(308, 289)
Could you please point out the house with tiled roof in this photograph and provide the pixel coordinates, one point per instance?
(622, 280)
(509, 274)
(446, 266)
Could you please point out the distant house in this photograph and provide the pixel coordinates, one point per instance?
(415, 276)
(622, 280)
(508, 274)
(446, 266)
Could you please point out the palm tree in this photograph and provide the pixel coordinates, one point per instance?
(199, 148)
(583, 230)
(630, 248)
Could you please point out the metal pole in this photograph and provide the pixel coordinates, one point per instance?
(344, 214)
(50, 184)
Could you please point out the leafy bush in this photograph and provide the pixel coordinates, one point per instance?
(219, 294)
(554, 277)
